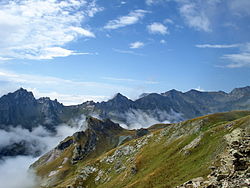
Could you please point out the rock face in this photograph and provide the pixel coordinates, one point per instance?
(209, 151)
(21, 108)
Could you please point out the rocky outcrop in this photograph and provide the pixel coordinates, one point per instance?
(231, 169)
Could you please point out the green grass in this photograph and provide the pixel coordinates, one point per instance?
(161, 162)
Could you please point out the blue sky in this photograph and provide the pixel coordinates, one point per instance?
(89, 50)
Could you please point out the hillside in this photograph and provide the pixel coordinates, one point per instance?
(208, 151)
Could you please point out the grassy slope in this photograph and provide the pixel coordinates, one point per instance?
(161, 162)
(164, 165)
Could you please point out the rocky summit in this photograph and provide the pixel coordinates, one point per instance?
(206, 152)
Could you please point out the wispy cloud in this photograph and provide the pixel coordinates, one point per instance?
(136, 44)
(149, 2)
(238, 60)
(234, 60)
(68, 99)
(127, 52)
(157, 28)
(195, 17)
(217, 45)
(132, 18)
(168, 21)
(37, 28)
(5, 58)
(199, 89)
(52, 52)
(57, 88)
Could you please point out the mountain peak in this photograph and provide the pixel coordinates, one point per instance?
(119, 96)
(21, 94)
(101, 125)
(194, 91)
(241, 91)
(171, 92)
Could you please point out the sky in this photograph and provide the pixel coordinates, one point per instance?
(79, 50)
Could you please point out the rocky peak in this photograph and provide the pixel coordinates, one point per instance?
(21, 95)
(240, 92)
(118, 103)
(171, 92)
(102, 125)
(193, 92)
(48, 103)
(119, 98)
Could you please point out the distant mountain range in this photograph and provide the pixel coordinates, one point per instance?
(22, 109)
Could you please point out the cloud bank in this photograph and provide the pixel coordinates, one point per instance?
(136, 119)
(14, 170)
(14, 173)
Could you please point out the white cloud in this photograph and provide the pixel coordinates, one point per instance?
(199, 89)
(136, 119)
(14, 170)
(149, 2)
(66, 91)
(52, 52)
(4, 58)
(169, 21)
(82, 31)
(217, 45)
(200, 14)
(136, 44)
(238, 60)
(162, 41)
(127, 52)
(157, 28)
(33, 26)
(68, 99)
(195, 17)
(132, 18)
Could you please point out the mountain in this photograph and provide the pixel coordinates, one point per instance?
(22, 109)
(208, 151)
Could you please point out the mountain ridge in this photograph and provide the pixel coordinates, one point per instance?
(22, 109)
(207, 151)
